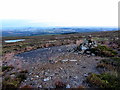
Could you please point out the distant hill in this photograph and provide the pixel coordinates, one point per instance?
(33, 31)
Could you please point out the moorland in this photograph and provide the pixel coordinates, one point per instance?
(48, 61)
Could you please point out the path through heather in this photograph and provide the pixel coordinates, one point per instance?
(47, 65)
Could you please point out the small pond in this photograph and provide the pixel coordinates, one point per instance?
(17, 40)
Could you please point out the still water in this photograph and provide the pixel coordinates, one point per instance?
(17, 40)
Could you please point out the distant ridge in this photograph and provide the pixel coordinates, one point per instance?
(33, 31)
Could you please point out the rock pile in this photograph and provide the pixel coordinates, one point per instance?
(86, 46)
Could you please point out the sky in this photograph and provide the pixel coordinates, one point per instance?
(59, 13)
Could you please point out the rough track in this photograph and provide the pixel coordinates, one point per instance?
(48, 65)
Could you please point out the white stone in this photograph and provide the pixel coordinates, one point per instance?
(52, 74)
(40, 86)
(46, 73)
(76, 77)
(61, 68)
(68, 86)
(36, 76)
(59, 50)
(65, 60)
(73, 60)
(13, 76)
(31, 78)
(88, 52)
(47, 79)
(85, 75)
(84, 48)
(93, 54)
(56, 61)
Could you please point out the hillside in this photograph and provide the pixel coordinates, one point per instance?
(51, 62)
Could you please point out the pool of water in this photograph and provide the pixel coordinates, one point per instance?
(17, 40)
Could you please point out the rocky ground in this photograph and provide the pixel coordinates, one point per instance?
(46, 66)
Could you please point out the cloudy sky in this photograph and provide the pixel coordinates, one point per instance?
(59, 12)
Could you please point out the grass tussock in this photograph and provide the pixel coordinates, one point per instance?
(111, 76)
(14, 79)
(8, 68)
(11, 83)
(102, 50)
(113, 62)
(104, 80)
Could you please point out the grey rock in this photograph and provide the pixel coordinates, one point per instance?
(31, 79)
(85, 75)
(40, 86)
(88, 52)
(46, 73)
(76, 77)
(12, 76)
(93, 54)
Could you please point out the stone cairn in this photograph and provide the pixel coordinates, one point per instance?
(86, 46)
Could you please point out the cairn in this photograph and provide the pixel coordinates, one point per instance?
(86, 46)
